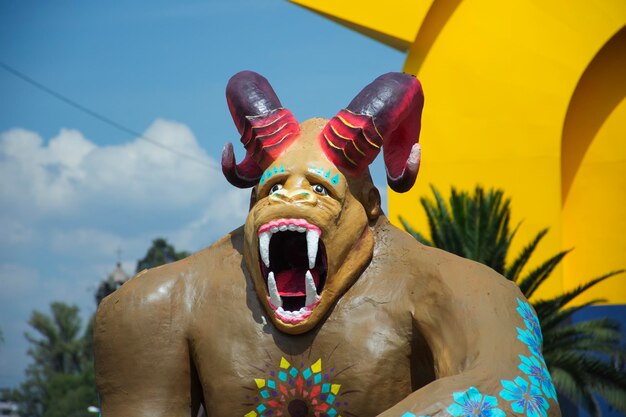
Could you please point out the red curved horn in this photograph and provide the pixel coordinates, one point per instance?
(266, 128)
(385, 114)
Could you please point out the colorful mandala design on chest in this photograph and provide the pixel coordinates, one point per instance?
(296, 391)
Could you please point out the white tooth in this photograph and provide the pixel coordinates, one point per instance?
(301, 229)
(264, 247)
(311, 291)
(282, 228)
(312, 239)
(274, 296)
(292, 227)
(274, 229)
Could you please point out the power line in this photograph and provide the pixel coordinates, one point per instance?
(100, 117)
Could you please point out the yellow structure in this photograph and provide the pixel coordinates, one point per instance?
(523, 95)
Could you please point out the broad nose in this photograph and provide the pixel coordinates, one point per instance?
(296, 195)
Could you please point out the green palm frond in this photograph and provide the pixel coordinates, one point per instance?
(554, 305)
(573, 386)
(529, 284)
(553, 317)
(598, 335)
(584, 358)
(594, 372)
(520, 262)
(613, 396)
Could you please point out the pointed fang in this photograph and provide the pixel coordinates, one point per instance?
(264, 247)
(311, 291)
(273, 290)
(312, 240)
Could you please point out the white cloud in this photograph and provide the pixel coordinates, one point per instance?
(71, 173)
(67, 205)
(74, 198)
(41, 177)
(144, 174)
(70, 170)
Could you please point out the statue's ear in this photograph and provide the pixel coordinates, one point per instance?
(372, 203)
(252, 198)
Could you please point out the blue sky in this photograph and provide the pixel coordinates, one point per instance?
(73, 190)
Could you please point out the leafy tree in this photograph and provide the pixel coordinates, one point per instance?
(160, 253)
(584, 358)
(60, 381)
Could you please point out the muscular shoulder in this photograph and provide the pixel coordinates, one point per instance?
(167, 293)
(142, 329)
(470, 280)
(436, 274)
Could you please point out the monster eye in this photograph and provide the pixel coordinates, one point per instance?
(275, 188)
(320, 189)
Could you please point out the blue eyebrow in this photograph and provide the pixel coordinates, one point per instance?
(325, 173)
(271, 171)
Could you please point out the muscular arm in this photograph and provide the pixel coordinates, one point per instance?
(485, 341)
(142, 360)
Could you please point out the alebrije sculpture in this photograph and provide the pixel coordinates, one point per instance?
(317, 305)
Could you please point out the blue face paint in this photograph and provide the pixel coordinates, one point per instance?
(271, 171)
(325, 174)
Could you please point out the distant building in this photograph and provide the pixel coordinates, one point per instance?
(115, 280)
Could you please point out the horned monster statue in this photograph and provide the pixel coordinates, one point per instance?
(317, 305)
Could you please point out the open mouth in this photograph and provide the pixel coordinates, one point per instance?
(293, 263)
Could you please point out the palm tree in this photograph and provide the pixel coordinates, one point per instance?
(584, 358)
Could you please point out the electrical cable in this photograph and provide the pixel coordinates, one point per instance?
(100, 117)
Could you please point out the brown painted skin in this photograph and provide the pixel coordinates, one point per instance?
(400, 326)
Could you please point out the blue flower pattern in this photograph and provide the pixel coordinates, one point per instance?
(472, 403)
(538, 374)
(530, 339)
(523, 397)
(530, 320)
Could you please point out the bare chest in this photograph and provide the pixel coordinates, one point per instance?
(359, 362)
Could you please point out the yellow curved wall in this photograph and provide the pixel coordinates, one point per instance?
(506, 86)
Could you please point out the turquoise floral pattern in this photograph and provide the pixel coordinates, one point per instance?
(530, 320)
(530, 396)
(531, 336)
(472, 403)
(527, 394)
(525, 398)
(538, 374)
(531, 341)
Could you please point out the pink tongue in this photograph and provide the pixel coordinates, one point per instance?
(290, 282)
